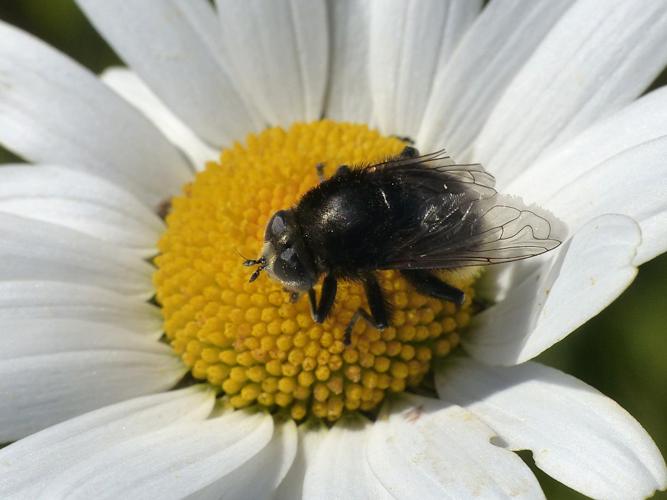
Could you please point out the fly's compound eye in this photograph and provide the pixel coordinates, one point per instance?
(277, 226)
(289, 269)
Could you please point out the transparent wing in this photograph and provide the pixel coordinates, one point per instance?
(462, 221)
(437, 168)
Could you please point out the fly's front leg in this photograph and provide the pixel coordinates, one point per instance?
(379, 315)
(320, 311)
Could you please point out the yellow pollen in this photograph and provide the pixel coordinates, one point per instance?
(247, 339)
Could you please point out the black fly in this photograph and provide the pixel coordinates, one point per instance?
(411, 213)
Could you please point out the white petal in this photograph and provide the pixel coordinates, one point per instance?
(577, 435)
(425, 448)
(28, 467)
(638, 123)
(174, 462)
(278, 51)
(54, 111)
(310, 437)
(349, 95)
(166, 43)
(339, 468)
(590, 272)
(409, 41)
(44, 300)
(129, 85)
(655, 242)
(634, 183)
(282, 450)
(34, 337)
(599, 57)
(258, 477)
(490, 54)
(36, 250)
(79, 201)
(43, 389)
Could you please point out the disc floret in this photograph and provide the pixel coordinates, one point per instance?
(249, 340)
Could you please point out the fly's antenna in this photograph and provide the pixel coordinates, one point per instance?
(246, 259)
(261, 262)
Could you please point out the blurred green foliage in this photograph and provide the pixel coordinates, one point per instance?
(622, 352)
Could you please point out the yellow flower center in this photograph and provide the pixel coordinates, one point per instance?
(247, 339)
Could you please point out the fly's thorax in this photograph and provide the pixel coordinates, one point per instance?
(347, 223)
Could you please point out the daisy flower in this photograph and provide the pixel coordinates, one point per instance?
(137, 359)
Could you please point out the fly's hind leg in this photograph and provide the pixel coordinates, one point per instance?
(427, 283)
(379, 315)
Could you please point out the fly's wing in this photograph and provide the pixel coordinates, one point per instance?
(460, 220)
(429, 171)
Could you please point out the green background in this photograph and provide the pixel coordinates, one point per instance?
(622, 352)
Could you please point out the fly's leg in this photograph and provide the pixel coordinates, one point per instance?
(379, 315)
(363, 314)
(342, 170)
(408, 152)
(319, 168)
(427, 283)
(320, 311)
(404, 138)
